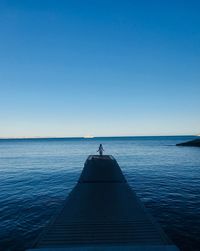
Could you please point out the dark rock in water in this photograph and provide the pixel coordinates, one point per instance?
(195, 142)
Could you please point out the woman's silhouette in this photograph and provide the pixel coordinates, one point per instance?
(100, 150)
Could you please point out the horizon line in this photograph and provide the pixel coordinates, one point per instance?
(94, 137)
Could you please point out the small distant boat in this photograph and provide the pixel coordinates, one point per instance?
(88, 137)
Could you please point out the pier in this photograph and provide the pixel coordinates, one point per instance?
(102, 212)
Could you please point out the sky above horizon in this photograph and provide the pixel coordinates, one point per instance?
(102, 68)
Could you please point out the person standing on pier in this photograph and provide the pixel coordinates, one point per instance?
(100, 150)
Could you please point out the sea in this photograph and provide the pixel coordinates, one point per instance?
(36, 175)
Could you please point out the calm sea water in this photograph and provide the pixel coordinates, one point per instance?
(37, 175)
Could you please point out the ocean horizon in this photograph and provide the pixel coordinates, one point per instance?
(98, 137)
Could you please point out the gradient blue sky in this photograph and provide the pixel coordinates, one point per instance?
(100, 67)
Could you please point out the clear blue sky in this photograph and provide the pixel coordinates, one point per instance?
(100, 67)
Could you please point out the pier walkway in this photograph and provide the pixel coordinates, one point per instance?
(102, 212)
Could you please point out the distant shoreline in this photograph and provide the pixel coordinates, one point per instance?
(98, 137)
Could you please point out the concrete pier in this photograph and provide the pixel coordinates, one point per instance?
(103, 213)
